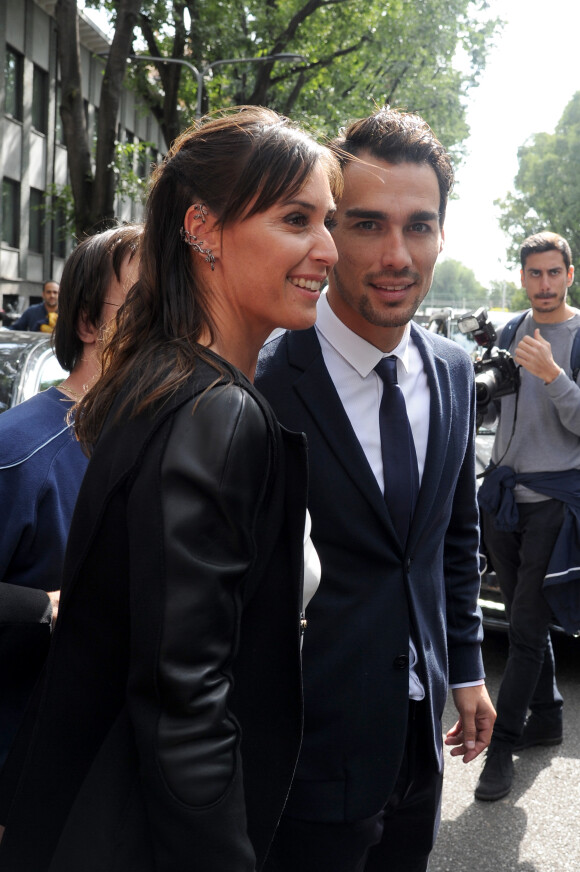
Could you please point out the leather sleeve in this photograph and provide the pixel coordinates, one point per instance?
(24, 605)
(212, 485)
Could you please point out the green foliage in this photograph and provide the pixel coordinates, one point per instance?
(519, 300)
(131, 169)
(506, 295)
(546, 193)
(455, 285)
(59, 208)
(358, 54)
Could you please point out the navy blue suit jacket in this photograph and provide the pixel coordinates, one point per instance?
(375, 594)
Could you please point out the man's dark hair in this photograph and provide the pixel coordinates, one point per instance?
(546, 241)
(84, 285)
(398, 137)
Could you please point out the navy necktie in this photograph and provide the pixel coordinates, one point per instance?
(398, 450)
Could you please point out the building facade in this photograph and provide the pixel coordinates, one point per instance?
(34, 241)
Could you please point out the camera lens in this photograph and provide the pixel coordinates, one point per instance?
(486, 385)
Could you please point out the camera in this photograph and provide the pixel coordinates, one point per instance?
(496, 372)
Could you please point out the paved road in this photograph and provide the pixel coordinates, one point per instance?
(536, 828)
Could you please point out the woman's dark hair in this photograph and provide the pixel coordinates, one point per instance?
(238, 162)
(84, 285)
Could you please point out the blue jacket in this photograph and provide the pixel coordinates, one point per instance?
(41, 469)
(562, 582)
(32, 318)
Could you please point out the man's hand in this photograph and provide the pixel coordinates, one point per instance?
(472, 732)
(535, 354)
(54, 597)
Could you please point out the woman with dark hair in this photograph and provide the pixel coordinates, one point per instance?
(167, 728)
(42, 466)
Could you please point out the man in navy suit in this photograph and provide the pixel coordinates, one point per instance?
(396, 616)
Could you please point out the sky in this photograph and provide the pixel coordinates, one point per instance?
(530, 76)
(529, 79)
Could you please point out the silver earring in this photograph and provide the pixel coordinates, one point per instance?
(200, 212)
(193, 242)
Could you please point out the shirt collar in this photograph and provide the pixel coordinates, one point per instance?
(359, 353)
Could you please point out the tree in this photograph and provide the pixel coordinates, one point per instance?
(547, 187)
(93, 192)
(455, 285)
(358, 54)
(505, 295)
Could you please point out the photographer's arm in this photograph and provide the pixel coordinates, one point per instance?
(534, 353)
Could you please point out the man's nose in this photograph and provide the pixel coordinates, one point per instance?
(396, 253)
(545, 282)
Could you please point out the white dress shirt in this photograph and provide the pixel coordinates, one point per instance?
(350, 361)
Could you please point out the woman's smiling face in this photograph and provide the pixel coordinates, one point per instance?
(274, 262)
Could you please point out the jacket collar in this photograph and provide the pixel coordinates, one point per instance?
(317, 391)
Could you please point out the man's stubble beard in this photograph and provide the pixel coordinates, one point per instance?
(389, 315)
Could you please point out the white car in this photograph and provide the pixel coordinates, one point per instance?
(27, 365)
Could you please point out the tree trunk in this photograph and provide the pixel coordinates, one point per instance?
(94, 195)
(104, 185)
(72, 113)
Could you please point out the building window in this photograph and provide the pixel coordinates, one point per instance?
(14, 83)
(11, 212)
(59, 230)
(58, 126)
(36, 221)
(143, 160)
(95, 133)
(40, 100)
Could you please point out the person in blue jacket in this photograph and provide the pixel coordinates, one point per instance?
(42, 466)
(41, 317)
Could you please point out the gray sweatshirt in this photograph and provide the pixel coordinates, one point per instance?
(547, 431)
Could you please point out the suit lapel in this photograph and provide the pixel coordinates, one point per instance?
(318, 393)
(440, 427)
(316, 389)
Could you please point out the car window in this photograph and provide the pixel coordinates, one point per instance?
(27, 365)
(9, 368)
(51, 373)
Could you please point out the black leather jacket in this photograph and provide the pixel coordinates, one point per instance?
(171, 719)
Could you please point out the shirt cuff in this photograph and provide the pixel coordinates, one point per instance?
(467, 684)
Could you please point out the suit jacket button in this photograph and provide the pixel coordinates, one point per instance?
(401, 662)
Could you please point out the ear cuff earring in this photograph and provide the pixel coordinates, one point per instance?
(200, 212)
(196, 244)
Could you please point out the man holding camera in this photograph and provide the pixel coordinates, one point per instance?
(536, 459)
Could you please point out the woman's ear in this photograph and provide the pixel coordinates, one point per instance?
(86, 330)
(201, 232)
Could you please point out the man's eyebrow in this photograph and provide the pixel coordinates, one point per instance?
(367, 214)
(424, 215)
(377, 215)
